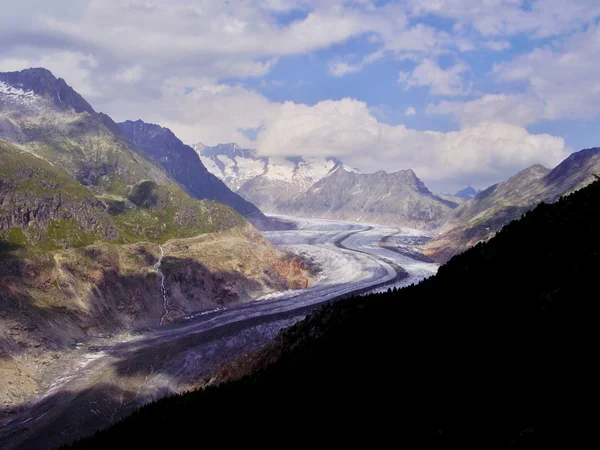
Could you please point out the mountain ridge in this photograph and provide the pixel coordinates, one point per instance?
(183, 164)
(42, 82)
(83, 143)
(485, 214)
(293, 186)
(397, 198)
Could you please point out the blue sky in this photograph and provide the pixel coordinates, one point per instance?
(462, 91)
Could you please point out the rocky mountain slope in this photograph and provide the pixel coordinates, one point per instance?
(44, 116)
(451, 198)
(398, 198)
(43, 207)
(325, 188)
(96, 237)
(183, 165)
(50, 301)
(480, 218)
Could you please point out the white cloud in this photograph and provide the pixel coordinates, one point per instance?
(508, 17)
(209, 38)
(341, 68)
(155, 33)
(212, 112)
(417, 39)
(403, 77)
(515, 109)
(402, 42)
(130, 74)
(565, 79)
(410, 111)
(496, 46)
(561, 81)
(447, 82)
(347, 129)
(333, 128)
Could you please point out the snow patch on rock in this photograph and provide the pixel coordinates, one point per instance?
(15, 94)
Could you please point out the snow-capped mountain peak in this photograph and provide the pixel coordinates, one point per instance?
(41, 88)
(232, 164)
(350, 169)
(237, 166)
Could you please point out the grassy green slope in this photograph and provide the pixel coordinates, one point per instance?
(161, 212)
(43, 208)
(69, 138)
(90, 151)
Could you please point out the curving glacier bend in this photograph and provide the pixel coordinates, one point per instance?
(106, 378)
(332, 243)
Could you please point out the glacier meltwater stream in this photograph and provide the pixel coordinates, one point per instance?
(107, 377)
(163, 289)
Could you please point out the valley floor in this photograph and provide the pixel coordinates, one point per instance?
(104, 379)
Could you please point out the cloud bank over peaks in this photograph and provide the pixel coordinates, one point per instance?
(486, 152)
(342, 78)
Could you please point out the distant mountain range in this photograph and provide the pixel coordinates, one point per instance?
(266, 182)
(467, 193)
(398, 198)
(325, 188)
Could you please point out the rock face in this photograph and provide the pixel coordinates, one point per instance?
(183, 165)
(467, 193)
(481, 217)
(44, 207)
(325, 188)
(398, 198)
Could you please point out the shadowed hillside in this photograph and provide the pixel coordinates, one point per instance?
(480, 218)
(476, 357)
